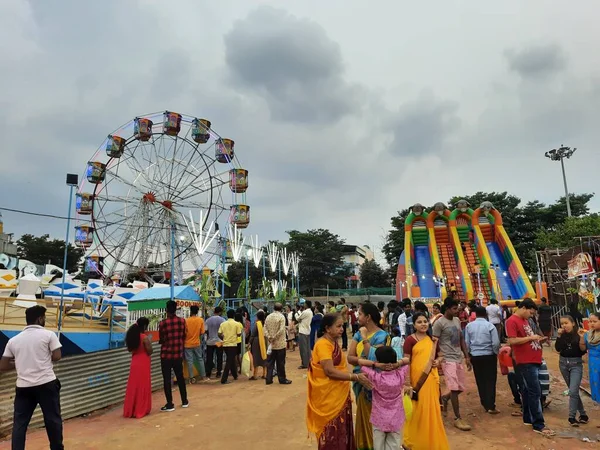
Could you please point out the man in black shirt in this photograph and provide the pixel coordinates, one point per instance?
(545, 320)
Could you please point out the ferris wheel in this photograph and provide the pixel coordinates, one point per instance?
(140, 181)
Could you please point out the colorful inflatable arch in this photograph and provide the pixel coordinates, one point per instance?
(464, 252)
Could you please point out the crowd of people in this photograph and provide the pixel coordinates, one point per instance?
(399, 354)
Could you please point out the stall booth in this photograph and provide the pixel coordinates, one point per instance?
(151, 303)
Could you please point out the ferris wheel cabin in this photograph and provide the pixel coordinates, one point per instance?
(84, 203)
(240, 216)
(84, 235)
(238, 180)
(200, 133)
(224, 150)
(171, 123)
(96, 172)
(115, 146)
(142, 129)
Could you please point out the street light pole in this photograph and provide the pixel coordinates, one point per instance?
(562, 165)
(559, 154)
(72, 181)
(247, 258)
(172, 259)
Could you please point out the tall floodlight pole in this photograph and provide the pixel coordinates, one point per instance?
(559, 154)
(248, 256)
(72, 182)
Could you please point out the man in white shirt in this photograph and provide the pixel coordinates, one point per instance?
(405, 319)
(494, 314)
(304, 318)
(32, 352)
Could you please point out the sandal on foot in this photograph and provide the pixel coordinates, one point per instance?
(516, 413)
(445, 405)
(573, 422)
(546, 432)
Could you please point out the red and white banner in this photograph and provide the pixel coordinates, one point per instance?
(581, 265)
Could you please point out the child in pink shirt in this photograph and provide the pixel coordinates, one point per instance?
(387, 415)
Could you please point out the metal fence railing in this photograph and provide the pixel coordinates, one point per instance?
(89, 382)
(557, 313)
(355, 292)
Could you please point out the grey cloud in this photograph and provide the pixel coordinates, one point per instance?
(537, 61)
(422, 127)
(293, 64)
(173, 72)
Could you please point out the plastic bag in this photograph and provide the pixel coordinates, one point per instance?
(246, 364)
(407, 407)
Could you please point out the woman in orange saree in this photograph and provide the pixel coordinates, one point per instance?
(329, 404)
(425, 429)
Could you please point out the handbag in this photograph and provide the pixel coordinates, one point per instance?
(408, 409)
(247, 364)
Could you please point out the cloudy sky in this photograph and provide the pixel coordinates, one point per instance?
(344, 112)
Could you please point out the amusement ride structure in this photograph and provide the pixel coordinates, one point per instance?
(139, 184)
(465, 253)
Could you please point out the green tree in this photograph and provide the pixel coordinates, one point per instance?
(236, 273)
(373, 275)
(42, 250)
(394, 242)
(557, 212)
(321, 258)
(564, 235)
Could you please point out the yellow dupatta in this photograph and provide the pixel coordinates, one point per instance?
(261, 340)
(425, 430)
(326, 397)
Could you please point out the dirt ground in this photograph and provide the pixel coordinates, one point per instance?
(251, 415)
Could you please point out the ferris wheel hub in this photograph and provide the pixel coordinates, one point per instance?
(149, 197)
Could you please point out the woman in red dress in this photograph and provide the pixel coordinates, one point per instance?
(138, 396)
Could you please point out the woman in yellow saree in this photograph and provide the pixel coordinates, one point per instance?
(425, 429)
(363, 345)
(329, 404)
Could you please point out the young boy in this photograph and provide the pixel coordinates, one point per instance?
(397, 343)
(387, 415)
